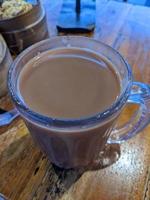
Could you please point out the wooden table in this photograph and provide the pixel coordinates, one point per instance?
(26, 174)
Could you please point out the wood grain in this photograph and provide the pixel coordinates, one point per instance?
(26, 174)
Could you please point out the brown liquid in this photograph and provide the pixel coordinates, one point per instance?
(68, 86)
(63, 84)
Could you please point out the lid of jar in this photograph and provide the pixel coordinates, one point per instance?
(2, 49)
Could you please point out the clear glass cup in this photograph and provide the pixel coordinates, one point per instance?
(77, 143)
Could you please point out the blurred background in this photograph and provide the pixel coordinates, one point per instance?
(138, 2)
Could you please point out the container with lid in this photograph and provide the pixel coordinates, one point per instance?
(26, 29)
(5, 62)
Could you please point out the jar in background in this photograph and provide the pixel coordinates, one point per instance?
(5, 62)
(26, 29)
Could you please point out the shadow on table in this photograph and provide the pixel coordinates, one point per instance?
(66, 178)
(46, 181)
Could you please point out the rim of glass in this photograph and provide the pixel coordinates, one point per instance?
(65, 122)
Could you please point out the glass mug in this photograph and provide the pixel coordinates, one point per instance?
(73, 143)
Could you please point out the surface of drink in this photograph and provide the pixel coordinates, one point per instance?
(69, 85)
(74, 84)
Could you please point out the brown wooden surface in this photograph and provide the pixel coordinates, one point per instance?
(26, 174)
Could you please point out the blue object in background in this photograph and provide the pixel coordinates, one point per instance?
(77, 16)
(137, 2)
(33, 2)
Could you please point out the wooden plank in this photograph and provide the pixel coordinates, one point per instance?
(110, 19)
(52, 13)
(27, 175)
(134, 42)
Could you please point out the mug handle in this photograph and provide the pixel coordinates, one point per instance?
(140, 95)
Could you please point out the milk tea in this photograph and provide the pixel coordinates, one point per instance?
(69, 84)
